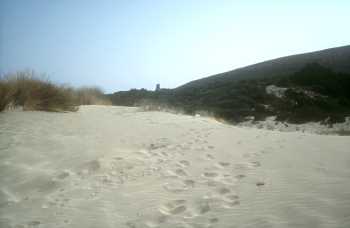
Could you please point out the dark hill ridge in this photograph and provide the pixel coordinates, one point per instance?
(337, 59)
(299, 88)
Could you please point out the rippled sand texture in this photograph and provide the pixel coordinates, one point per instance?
(120, 167)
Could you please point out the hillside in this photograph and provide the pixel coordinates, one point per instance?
(338, 59)
(296, 89)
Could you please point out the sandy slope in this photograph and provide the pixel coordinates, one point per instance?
(120, 167)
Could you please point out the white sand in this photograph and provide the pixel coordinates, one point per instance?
(120, 167)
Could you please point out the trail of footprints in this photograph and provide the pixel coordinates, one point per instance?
(220, 184)
(162, 157)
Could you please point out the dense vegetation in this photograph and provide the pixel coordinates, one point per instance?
(314, 93)
(33, 92)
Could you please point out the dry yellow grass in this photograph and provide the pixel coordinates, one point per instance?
(91, 96)
(33, 92)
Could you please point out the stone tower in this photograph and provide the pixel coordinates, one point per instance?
(157, 87)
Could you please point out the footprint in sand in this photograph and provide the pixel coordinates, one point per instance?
(164, 153)
(189, 183)
(260, 183)
(223, 190)
(213, 220)
(203, 206)
(224, 164)
(66, 222)
(240, 176)
(171, 147)
(211, 183)
(231, 204)
(263, 151)
(157, 221)
(230, 201)
(33, 224)
(189, 214)
(241, 166)
(199, 148)
(131, 224)
(229, 181)
(232, 197)
(170, 174)
(210, 174)
(144, 153)
(92, 166)
(181, 172)
(256, 154)
(173, 207)
(184, 163)
(64, 174)
(209, 157)
(153, 154)
(175, 187)
(155, 146)
(255, 164)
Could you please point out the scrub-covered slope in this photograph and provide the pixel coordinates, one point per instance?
(338, 59)
(297, 89)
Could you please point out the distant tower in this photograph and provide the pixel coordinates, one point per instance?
(157, 87)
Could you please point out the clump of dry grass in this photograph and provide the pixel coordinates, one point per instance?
(28, 90)
(91, 96)
(5, 95)
(33, 92)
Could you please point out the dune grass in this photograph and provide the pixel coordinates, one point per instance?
(91, 96)
(5, 95)
(35, 92)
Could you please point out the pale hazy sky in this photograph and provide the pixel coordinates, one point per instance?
(125, 44)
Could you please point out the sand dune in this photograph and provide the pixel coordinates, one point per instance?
(122, 167)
